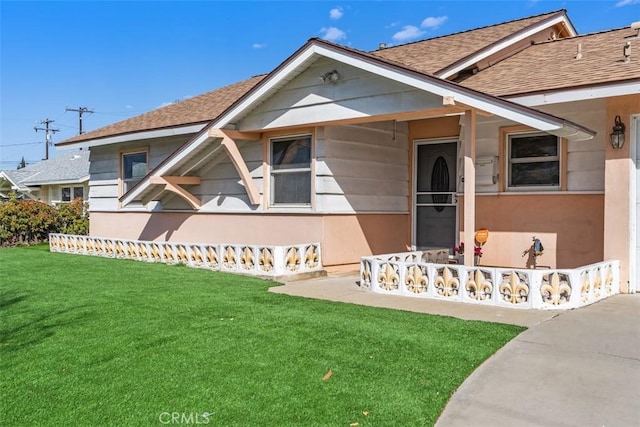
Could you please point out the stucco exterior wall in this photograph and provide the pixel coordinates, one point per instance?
(618, 200)
(343, 238)
(568, 225)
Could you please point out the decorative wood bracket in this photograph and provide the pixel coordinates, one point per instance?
(236, 158)
(173, 184)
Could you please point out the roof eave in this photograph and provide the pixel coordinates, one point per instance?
(134, 136)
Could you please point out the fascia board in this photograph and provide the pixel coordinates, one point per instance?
(58, 182)
(157, 133)
(265, 88)
(448, 72)
(577, 94)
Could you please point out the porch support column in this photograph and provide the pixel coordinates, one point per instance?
(469, 148)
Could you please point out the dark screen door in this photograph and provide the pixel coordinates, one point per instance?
(436, 210)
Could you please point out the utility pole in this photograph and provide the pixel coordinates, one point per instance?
(80, 111)
(48, 131)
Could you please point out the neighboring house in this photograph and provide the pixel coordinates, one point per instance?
(59, 179)
(505, 127)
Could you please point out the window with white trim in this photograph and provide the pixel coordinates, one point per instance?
(291, 170)
(533, 161)
(65, 193)
(134, 168)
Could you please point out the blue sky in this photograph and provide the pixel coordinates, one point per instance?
(124, 58)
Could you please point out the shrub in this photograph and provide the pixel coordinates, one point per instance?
(31, 221)
(74, 218)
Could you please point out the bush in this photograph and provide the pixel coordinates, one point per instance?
(74, 218)
(31, 221)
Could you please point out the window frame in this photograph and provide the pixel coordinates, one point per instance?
(508, 161)
(272, 171)
(62, 193)
(72, 191)
(122, 181)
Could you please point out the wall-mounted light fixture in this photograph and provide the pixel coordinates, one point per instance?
(617, 136)
(331, 77)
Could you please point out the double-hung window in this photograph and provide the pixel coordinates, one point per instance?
(134, 168)
(533, 161)
(291, 170)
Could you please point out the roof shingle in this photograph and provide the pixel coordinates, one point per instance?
(553, 65)
(431, 55)
(199, 109)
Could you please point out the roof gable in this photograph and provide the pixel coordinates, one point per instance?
(553, 65)
(436, 54)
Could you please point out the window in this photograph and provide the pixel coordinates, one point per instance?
(78, 192)
(291, 171)
(134, 168)
(534, 161)
(65, 193)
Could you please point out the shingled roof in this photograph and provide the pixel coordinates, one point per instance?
(553, 65)
(432, 55)
(544, 66)
(66, 168)
(199, 109)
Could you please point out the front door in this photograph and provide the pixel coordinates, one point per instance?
(435, 202)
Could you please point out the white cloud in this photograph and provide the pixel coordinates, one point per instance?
(128, 107)
(259, 45)
(622, 3)
(433, 22)
(336, 13)
(333, 34)
(165, 104)
(393, 24)
(409, 32)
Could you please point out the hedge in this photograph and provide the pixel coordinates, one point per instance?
(31, 221)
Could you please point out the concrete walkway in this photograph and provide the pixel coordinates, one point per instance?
(570, 368)
(344, 289)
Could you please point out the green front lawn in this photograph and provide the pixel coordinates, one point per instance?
(94, 341)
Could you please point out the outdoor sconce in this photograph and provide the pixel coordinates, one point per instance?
(331, 77)
(617, 136)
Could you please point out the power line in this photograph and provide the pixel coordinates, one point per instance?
(80, 111)
(47, 137)
(20, 144)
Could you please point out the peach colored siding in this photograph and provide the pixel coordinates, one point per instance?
(344, 238)
(619, 171)
(569, 226)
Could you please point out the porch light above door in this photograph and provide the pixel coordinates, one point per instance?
(617, 136)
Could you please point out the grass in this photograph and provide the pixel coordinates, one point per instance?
(94, 341)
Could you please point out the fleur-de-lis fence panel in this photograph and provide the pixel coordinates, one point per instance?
(408, 273)
(258, 260)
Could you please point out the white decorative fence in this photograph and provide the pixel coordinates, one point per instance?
(407, 274)
(258, 260)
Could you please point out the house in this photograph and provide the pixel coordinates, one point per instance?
(505, 128)
(53, 181)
